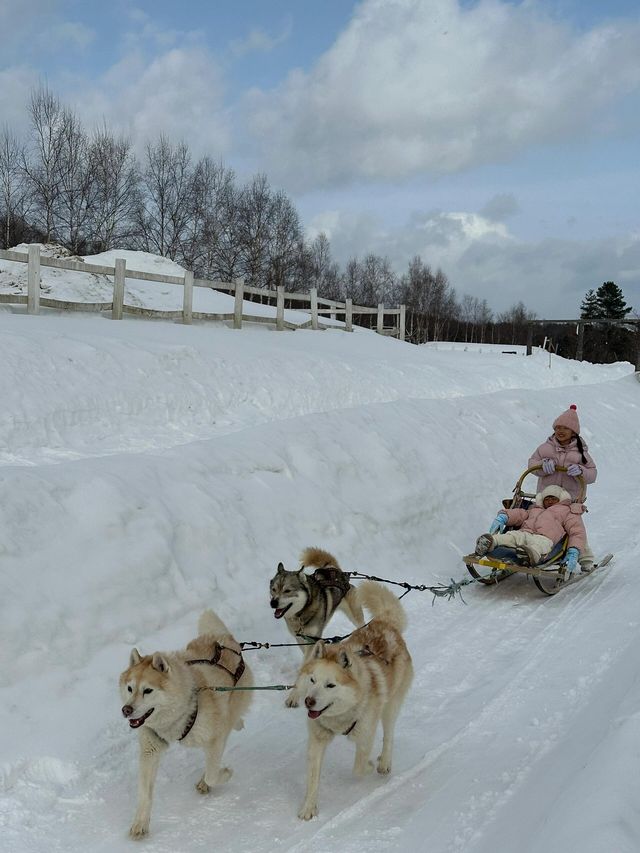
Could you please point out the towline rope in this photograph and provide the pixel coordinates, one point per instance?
(268, 687)
(440, 590)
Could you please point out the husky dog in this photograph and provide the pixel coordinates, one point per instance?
(171, 697)
(349, 687)
(307, 602)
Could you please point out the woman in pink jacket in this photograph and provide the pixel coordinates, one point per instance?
(566, 448)
(539, 528)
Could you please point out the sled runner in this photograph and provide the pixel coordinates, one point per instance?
(550, 575)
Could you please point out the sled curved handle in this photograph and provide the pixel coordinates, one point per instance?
(583, 486)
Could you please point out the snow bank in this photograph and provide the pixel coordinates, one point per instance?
(150, 470)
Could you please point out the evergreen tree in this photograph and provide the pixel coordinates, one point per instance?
(590, 308)
(611, 301)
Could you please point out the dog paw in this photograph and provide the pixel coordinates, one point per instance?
(224, 774)
(383, 766)
(307, 812)
(202, 787)
(291, 701)
(139, 829)
(239, 725)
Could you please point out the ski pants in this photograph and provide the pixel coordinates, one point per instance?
(538, 545)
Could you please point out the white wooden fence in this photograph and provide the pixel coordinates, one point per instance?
(318, 307)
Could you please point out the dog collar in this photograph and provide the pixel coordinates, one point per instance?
(190, 722)
(351, 728)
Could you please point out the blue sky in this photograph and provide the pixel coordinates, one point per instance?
(497, 140)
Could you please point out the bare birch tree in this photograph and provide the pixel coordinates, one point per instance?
(116, 178)
(165, 203)
(12, 189)
(41, 165)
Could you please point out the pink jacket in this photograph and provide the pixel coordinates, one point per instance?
(561, 518)
(567, 455)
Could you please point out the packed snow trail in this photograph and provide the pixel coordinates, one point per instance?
(521, 729)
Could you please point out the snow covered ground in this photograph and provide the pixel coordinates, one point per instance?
(149, 470)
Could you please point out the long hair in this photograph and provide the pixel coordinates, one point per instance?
(581, 449)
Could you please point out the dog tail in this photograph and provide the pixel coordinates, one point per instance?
(382, 604)
(316, 558)
(209, 623)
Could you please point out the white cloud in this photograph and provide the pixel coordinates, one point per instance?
(179, 92)
(257, 41)
(482, 258)
(412, 87)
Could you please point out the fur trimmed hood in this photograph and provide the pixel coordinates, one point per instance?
(553, 491)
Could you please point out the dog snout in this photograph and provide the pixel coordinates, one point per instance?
(127, 710)
(310, 702)
(274, 603)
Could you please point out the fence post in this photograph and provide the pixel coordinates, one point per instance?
(530, 339)
(380, 322)
(187, 299)
(580, 347)
(118, 288)
(33, 280)
(237, 308)
(638, 347)
(403, 323)
(313, 296)
(280, 308)
(348, 316)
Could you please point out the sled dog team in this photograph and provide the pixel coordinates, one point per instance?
(347, 688)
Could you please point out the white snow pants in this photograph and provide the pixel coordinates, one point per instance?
(539, 545)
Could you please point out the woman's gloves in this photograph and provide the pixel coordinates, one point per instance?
(549, 466)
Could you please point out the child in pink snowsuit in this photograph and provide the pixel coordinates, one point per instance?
(540, 527)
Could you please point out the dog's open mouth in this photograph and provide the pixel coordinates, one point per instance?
(138, 721)
(313, 714)
(280, 611)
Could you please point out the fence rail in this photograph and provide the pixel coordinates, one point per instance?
(318, 306)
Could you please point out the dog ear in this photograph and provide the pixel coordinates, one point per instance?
(318, 650)
(159, 662)
(134, 657)
(280, 569)
(344, 660)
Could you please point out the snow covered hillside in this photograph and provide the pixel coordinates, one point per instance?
(149, 470)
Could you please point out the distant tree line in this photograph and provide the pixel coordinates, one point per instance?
(608, 342)
(89, 192)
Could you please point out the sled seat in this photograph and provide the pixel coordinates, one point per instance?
(555, 555)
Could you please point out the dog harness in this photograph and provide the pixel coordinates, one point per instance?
(331, 576)
(327, 577)
(214, 660)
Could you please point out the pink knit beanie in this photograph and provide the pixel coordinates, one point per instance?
(569, 419)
